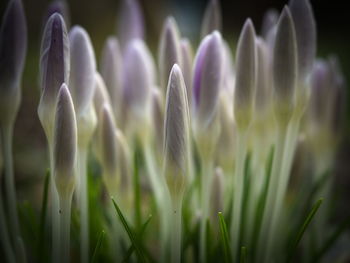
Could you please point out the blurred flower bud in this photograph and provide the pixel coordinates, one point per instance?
(101, 95)
(187, 60)
(54, 69)
(246, 73)
(65, 142)
(285, 65)
(13, 49)
(130, 22)
(169, 51)
(111, 71)
(61, 7)
(83, 67)
(176, 134)
(207, 79)
(264, 75)
(305, 30)
(269, 22)
(229, 72)
(138, 78)
(212, 19)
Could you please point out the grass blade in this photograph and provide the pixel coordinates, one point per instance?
(303, 228)
(134, 242)
(98, 246)
(243, 255)
(132, 248)
(225, 239)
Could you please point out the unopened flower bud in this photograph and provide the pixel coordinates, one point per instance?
(212, 19)
(169, 51)
(61, 7)
(54, 68)
(13, 49)
(207, 79)
(285, 59)
(176, 134)
(101, 95)
(246, 73)
(305, 30)
(112, 71)
(65, 142)
(83, 67)
(269, 22)
(187, 60)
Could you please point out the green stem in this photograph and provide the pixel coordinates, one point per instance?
(238, 184)
(55, 215)
(207, 175)
(65, 215)
(84, 206)
(271, 193)
(176, 229)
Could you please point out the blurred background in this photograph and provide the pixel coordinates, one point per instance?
(100, 20)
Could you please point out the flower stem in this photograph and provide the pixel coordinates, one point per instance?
(5, 239)
(65, 216)
(83, 204)
(238, 184)
(176, 230)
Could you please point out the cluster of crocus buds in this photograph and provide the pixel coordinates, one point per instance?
(194, 131)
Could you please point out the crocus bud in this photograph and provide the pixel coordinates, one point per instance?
(13, 48)
(111, 72)
(305, 30)
(246, 73)
(207, 79)
(138, 78)
(169, 51)
(54, 68)
(176, 134)
(269, 22)
(187, 60)
(285, 65)
(212, 19)
(229, 72)
(264, 75)
(101, 95)
(61, 7)
(83, 67)
(158, 117)
(115, 155)
(65, 142)
(130, 22)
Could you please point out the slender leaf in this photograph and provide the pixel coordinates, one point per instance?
(136, 184)
(98, 246)
(134, 242)
(225, 239)
(303, 228)
(243, 255)
(132, 248)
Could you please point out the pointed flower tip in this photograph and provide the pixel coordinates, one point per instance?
(65, 140)
(212, 19)
(83, 67)
(207, 79)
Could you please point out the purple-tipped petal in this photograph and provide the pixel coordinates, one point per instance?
(285, 59)
(13, 45)
(305, 29)
(208, 76)
(61, 7)
(65, 135)
(112, 71)
(130, 22)
(212, 19)
(138, 77)
(169, 51)
(54, 58)
(83, 67)
(246, 73)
